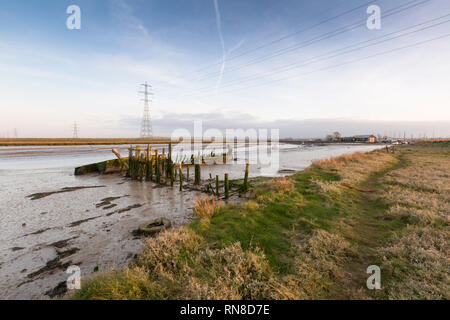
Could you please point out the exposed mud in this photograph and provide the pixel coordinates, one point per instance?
(77, 223)
(41, 195)
(134, 206)
(107, 202)
(61, 243)
(58, 291)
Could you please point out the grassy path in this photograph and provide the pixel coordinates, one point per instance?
(367, 233)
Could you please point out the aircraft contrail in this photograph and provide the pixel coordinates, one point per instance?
(222, 42)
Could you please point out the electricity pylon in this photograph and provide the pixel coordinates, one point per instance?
(146, 125)
(75, 131)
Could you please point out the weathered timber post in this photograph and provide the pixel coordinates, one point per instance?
(130, 155)
(217, 186)
(157, 172)
(247, 168)
(169, 161)
(181, 177)
(172, 179)
(151, 168)
(197, 174)
(156, 163)
(227, 187)
(138, 163)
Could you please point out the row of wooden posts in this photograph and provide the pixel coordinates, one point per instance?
(150, 165)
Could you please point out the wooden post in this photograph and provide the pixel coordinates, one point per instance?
(217, 186)
(157, 172)
(197, 174)
(247, 168)
(151, 168)
(170, 171)
(181, 177)
(130, 155)
(169, 161)
(172, 178)
(227, 187)
(137, 162)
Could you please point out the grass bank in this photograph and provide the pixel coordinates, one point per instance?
(308, 236)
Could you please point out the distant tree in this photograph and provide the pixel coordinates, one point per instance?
(337, 136)
(329, 137)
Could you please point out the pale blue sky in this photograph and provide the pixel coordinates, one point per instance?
(51, 76)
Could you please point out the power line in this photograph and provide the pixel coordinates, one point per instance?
(330, 55)
(349, 62)
(316, 39)
(292, 34)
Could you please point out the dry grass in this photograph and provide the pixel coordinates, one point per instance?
(319, 263)
(285, 185)
(328, 187)
(273, 190)
(355, 168)
(421, 217)
(205, 208)
(178, 264)
(251, 205)
(417, 262)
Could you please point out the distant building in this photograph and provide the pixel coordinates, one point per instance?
(370, 138)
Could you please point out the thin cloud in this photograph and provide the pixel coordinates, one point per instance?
(124, 13)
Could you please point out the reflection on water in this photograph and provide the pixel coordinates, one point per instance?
(98, 234)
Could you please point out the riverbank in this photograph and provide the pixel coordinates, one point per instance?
(308, 236)
(51, 217)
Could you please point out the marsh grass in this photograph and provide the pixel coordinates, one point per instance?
(206, 208)
(417, 260)
(306, 237)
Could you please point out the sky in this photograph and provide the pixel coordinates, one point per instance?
(307, 68)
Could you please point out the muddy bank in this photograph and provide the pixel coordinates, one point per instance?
(89, 220)
(41, 195)
(90, 227)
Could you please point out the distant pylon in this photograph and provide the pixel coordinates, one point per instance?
(146, 125)
(75, 131)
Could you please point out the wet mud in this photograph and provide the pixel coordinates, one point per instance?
(41, 195)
